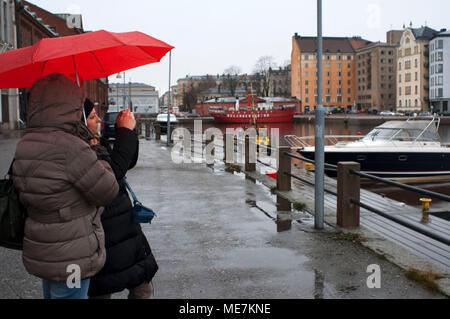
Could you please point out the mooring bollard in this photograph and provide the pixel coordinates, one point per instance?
(284, 166)
(348, 187)
(249, 167)
(425, 210)
(157, 132)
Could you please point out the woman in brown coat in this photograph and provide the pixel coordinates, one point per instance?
(63, 186)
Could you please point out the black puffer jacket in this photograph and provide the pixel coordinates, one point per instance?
(129, 259)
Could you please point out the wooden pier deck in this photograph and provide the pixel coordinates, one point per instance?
(420, 245)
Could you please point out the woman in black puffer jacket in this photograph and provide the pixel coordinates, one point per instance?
(130, 263)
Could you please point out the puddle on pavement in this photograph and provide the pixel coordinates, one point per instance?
(267, 257)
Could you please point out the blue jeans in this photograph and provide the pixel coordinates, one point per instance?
(59, 290)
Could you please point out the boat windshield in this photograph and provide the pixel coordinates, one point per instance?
(392, 134)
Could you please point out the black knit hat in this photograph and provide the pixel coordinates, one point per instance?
(88, 107)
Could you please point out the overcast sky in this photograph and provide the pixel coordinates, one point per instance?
(210, 35)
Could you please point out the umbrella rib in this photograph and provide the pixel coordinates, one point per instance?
(98, 61)
(43, 67)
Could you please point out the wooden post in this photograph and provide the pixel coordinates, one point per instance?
(139, 128)
(249, 167)
(284, 165)
(147, 130)
(348, 187)
(157, 132)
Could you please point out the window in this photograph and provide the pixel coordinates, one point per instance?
(408, 90)
(349, 57)
(439, 68)
(439, 56)
(416, 91)
(306, 57)
(383, 61)
(416, 77)
(306, 82)
(349, 91)
(349, 65)
(383, 52)
(327, 66)
(391, 53)
(400, 103)
(400, 66)
(399, 91)
(339, 82)
(440, 92)
(306, 65)
(408, 77)
(400, 78)
(440, 44)
(306, 91)
(440, 80)
(407, 65)
(340, 65)
(416, 63)
(339, 91)
(306, 73)
(339, 73)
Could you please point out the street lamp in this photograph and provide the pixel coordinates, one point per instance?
(124, 85)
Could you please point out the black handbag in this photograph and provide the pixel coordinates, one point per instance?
(142, 214)
(12, 215)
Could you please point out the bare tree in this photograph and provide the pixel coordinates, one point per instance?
(262, 70)
(232, 78)
(194, 94)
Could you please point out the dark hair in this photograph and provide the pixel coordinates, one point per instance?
(88, 107)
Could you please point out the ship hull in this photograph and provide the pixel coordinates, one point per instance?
(259, 116)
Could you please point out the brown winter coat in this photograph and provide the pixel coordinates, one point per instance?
(62, 184)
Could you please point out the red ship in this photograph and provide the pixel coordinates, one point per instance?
(253, 114)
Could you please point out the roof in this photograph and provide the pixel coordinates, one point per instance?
(442, 34)
(424, 33)
(331, 44)
(40, 21)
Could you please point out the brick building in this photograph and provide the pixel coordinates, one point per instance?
(34, 24)
(376, 74)
(338, 66)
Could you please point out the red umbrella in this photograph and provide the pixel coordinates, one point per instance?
(88, 56)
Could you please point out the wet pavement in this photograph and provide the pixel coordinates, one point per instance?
(216, 236)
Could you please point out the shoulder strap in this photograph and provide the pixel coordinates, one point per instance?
(130, 190)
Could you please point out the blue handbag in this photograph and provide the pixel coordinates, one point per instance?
(141, 214)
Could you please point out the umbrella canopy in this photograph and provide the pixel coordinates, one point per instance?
(88, 56)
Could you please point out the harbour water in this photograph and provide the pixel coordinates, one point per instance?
(306, 128)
